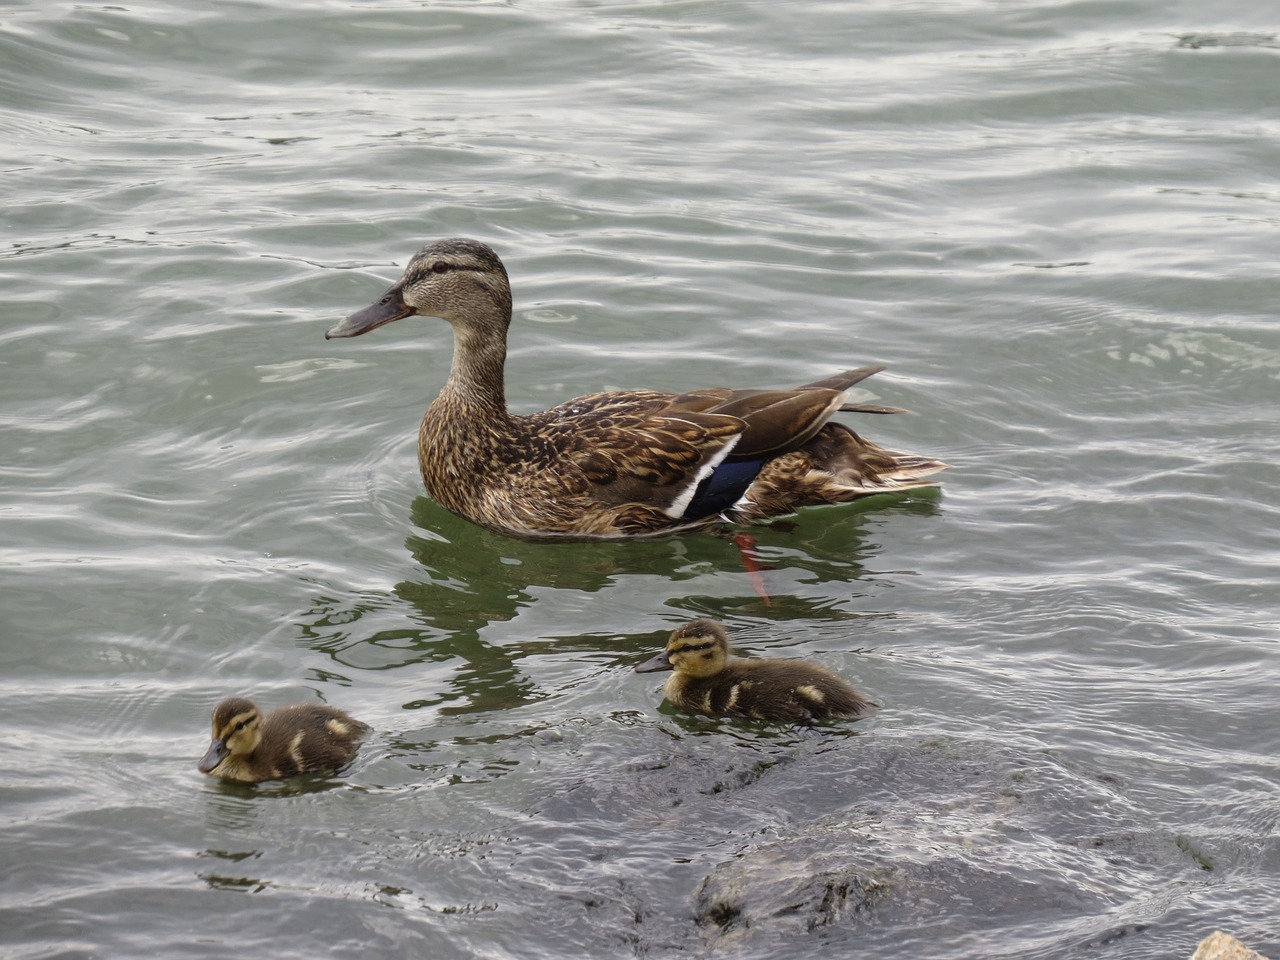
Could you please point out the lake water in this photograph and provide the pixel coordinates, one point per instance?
(1058, 224)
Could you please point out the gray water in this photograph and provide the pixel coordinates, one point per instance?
(1058, 224)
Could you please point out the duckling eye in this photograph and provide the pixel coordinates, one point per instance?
(240, 726)
(440, 267)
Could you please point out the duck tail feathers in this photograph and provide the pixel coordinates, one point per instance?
(869, 408)
(843, 381)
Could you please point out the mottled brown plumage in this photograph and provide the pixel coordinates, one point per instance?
(304, 738)
(624, 464)
(708, 680)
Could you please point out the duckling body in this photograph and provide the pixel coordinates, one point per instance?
(708, 680)
(630, 463)
(250, 746)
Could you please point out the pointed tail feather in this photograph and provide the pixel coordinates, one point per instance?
(909, 466)
(843, 381)
(869, 408)
(887, 473)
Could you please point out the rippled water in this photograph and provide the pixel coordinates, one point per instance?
(1058, 224)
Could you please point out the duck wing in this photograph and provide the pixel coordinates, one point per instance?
(654, 457)
(692, 454)
(782, 420)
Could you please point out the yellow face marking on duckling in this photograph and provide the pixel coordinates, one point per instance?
(240, 733)
(234, 725)
(236, 735)
(696, 659)
(698, 649)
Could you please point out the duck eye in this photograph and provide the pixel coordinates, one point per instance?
(440, 267)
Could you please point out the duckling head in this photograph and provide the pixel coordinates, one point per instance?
(698, 649)
(237, 731)
(458, 280)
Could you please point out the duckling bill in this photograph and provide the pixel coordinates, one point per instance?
(250, 747)
(708, 680)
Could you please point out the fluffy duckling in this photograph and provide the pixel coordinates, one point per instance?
(708, 680)
(306, 737)
(630, 463)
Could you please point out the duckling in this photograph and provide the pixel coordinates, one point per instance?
(708, 680)
(288, 741)
(631, 463)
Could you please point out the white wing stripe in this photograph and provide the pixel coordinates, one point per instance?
(677, 507)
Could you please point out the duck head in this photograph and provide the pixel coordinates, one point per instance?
(699, 648)
(458, 280)
(237, 731)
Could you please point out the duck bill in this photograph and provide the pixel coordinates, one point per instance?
(655, 665)
(390, 307)
(217, 753)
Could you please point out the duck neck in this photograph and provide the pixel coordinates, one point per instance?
(474, 393)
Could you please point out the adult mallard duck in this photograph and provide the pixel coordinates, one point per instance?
(288, 741)
(709, 681)
(631, 463)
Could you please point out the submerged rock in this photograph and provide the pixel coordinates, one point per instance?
(973, 836)
(790, 886)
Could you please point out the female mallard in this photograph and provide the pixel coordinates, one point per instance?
(626, 464)
(708, 680)
(303, 738)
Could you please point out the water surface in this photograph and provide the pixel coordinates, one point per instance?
(1057, 224)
